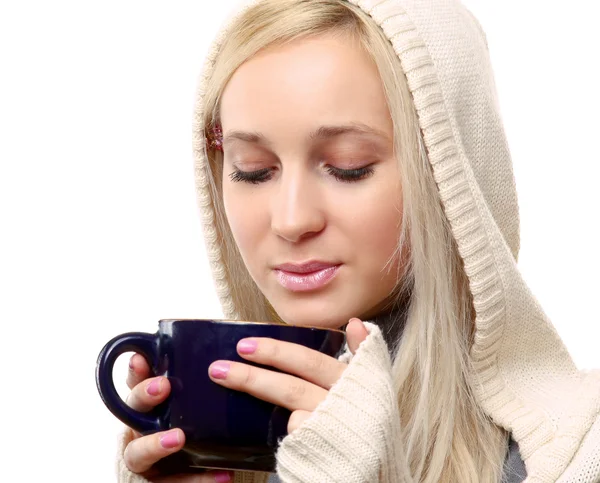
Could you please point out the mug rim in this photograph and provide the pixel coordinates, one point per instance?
(249, 322)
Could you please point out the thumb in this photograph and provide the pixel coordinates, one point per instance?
(356, 332)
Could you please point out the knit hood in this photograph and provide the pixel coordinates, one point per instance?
(528, 383)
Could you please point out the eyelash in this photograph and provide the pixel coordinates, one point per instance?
(343, 175)
(253, 177)
(350, 175)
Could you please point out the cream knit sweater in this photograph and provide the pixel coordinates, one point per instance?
(527, 382)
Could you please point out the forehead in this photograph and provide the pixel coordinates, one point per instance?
(317, 80)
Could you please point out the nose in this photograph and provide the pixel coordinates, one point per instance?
(296, 210)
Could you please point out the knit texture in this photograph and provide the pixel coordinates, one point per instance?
(357, 426)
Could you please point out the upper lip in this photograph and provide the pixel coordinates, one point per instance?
(306, 267)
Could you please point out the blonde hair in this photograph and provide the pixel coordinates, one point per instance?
(447, 436)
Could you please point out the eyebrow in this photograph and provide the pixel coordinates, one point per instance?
(323, 132)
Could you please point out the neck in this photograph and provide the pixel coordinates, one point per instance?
(392, 321)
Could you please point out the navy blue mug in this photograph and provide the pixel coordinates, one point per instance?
(224, 429)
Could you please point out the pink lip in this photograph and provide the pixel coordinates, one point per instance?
(307, 276)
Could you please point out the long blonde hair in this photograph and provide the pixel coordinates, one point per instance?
(447, 436)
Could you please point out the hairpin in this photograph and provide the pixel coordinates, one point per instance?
(214, 138)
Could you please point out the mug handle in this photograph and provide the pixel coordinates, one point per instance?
(144, 344)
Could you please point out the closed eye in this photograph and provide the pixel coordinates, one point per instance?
(350, 175)
(253, 177)
(265, 174)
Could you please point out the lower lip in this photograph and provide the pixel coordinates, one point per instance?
(305, 282)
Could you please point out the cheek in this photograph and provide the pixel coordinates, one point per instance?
(375, 227)
(380, 255)
(385, 222)
(246, 220)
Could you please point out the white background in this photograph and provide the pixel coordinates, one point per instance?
(100, 232)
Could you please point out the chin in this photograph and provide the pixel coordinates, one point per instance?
(313, 313)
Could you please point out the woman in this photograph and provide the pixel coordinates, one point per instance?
(351, 165)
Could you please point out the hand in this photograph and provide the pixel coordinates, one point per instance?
(312, 373)
(144, 451)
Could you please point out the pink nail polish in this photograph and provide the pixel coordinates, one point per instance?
(247, 346)
(219, 370)
(222, 477)
(154, 387)
(169, 440)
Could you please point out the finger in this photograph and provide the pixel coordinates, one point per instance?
(138, 371)
(140, 454)
(296, 419)
(284, 390)
(148, 394)
(356, 332)
(308, 364)
(208, 477)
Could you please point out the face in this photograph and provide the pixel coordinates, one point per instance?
(311, 185)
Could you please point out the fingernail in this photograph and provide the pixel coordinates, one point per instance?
(169, 440)
(222, 477)
(154, 387)
(219, 370)
(247, 346)
(131, 363)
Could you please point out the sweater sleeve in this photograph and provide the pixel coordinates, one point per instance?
(124, 475)
(354, 434)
